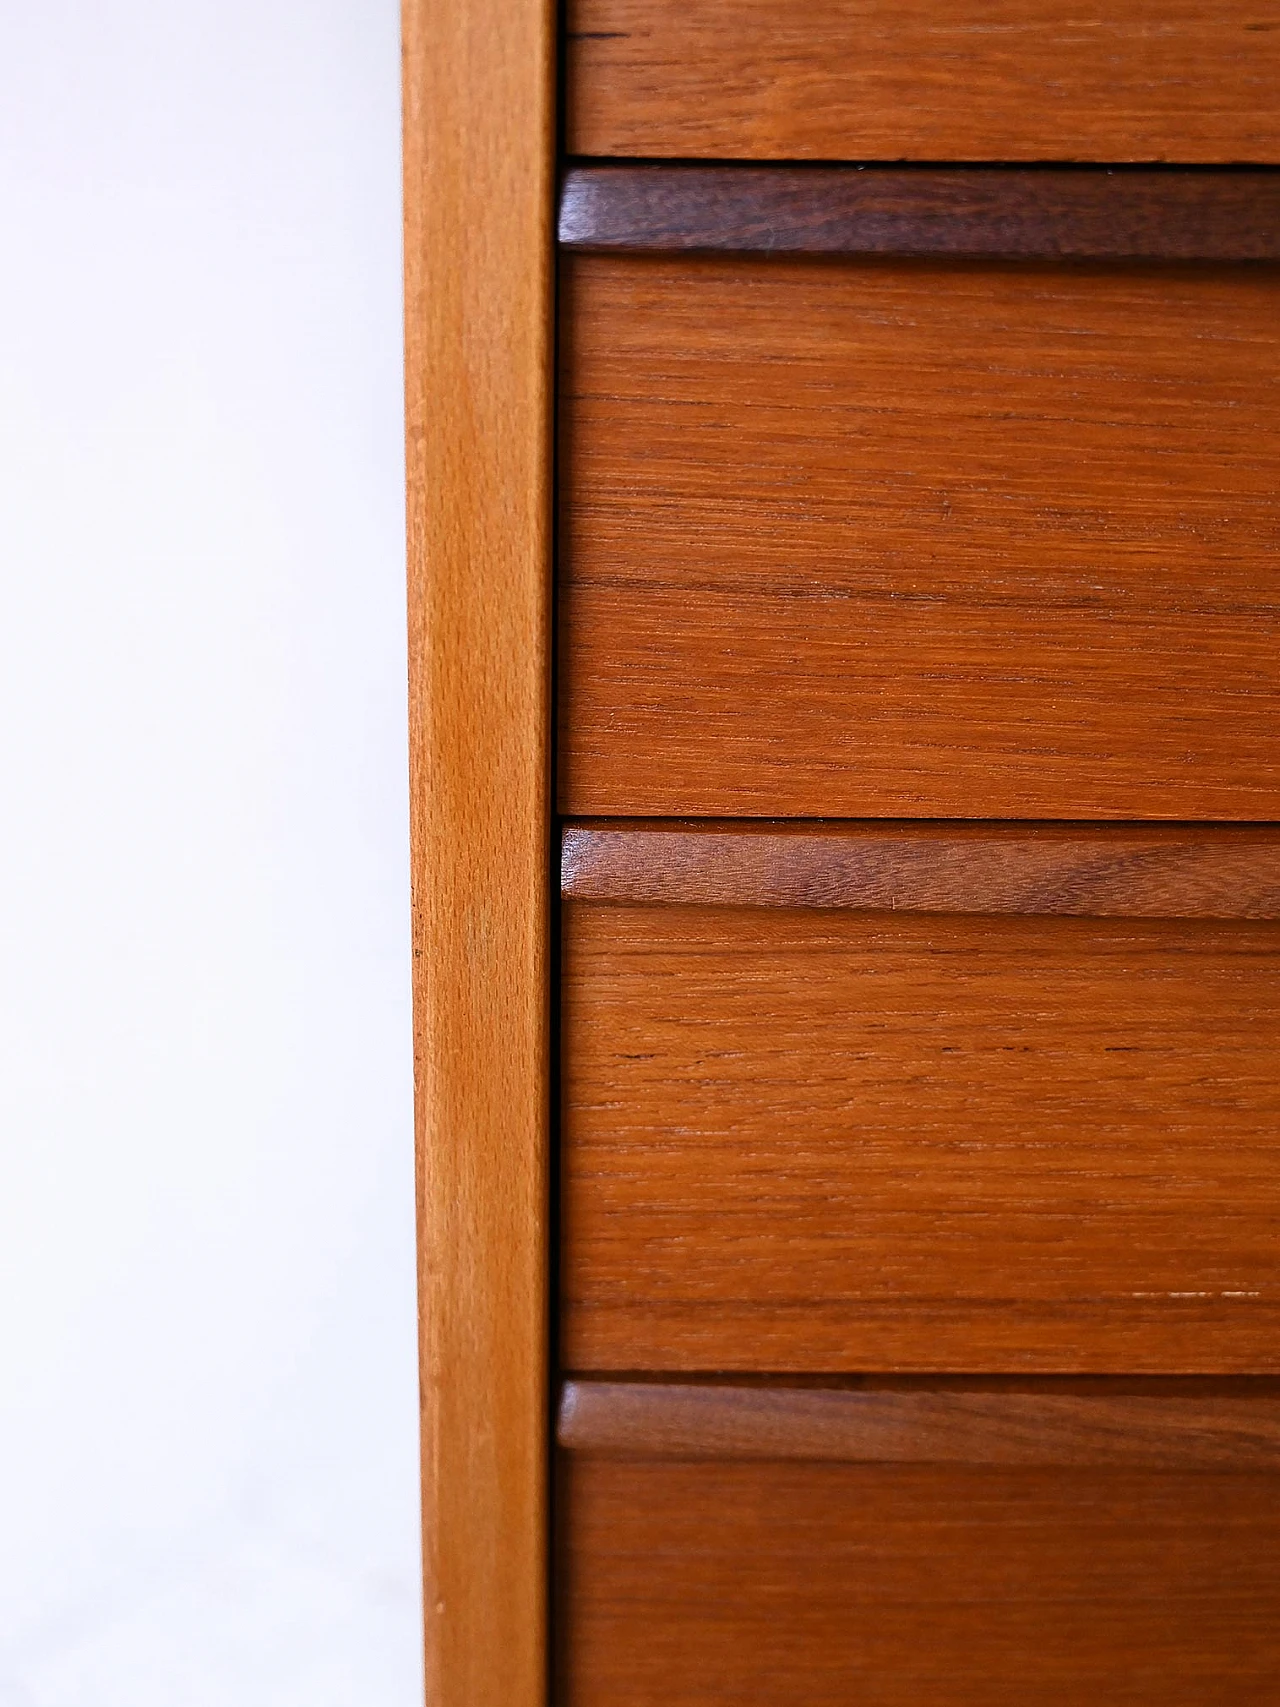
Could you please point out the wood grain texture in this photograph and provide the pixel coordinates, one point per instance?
(866, 539)
(1044, 1424)
(1082, 870)
(479, 204)
(1193, 215)
(824, 1141)
(974, 80)
(714, 1584)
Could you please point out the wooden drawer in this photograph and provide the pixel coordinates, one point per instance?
(865, 538)
(970, 80)
(946, 1548)
(1021, 1122)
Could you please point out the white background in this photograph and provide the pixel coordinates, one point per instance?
(207, 1383)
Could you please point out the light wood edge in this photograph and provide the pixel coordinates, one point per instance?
(479, 213)
(948, 1425)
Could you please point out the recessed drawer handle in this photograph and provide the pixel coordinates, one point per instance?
(1081, 213)
(1215, 1426)
(1098, 871)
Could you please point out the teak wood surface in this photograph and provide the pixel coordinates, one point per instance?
(1192, 215)
(1149, 1425)
(1129, 80)
(831, 1140)
(1157, 871)
(962, 540)
(715, 1583)
(479, 196)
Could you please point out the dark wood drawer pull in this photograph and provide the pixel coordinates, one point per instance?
(1098, 871)
(1089, 213)
(1222, 1427)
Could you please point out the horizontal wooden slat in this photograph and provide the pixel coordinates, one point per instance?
(876, 1424)
(798, 1140)
(1148, 80)
(1136, 214)
(1085, 870)
(913, 539)
(717, 1583)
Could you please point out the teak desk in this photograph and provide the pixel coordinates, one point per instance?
(844, 574)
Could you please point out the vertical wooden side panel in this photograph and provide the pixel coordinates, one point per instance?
(479, 78)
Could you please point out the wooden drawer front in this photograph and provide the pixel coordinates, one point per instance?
(958, 540)
(821, 1138)
(715, 1582)
(970, 80)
